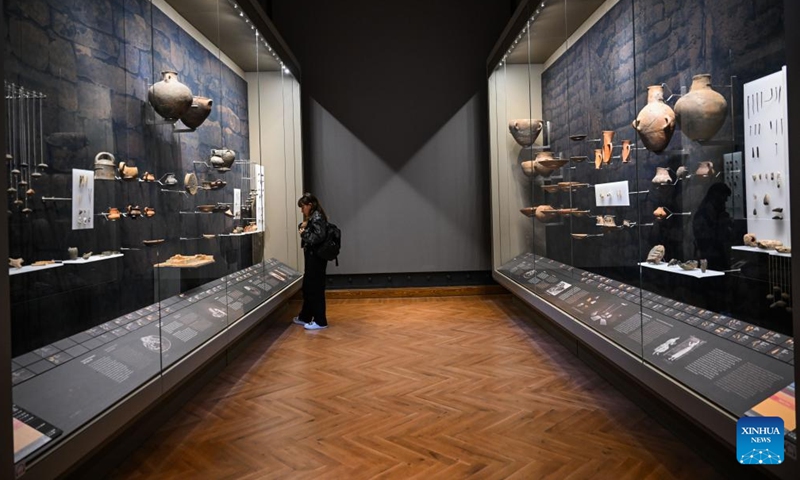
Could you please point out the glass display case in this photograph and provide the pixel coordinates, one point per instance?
(641, 195)
(153, 164)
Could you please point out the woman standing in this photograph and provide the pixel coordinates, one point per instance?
(313, 231)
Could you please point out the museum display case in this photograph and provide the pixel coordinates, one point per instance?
(641, 194)
(153, 162)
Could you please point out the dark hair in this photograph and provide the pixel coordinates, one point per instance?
(308, 199)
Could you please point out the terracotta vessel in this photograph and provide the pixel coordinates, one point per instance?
(113, 213)
(535, 167)
(662, 176)
(656, 121)
(170, 179)
(149, 211)
(222, 158)
(598, 158)
(705, 169)
(148, 177)
(197, 112)
(660, 213)
(525, 130)
(701, 112)
(626, 151)
(545, 213)
(169, 97)
(608, 145)
(128, 172)
(104, 166)
(656, 254)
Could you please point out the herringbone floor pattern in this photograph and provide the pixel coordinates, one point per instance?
(412, 388)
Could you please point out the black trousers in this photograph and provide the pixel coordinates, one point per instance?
(314, 289)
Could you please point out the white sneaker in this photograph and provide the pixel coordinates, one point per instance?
(298, 321)
(312, 325)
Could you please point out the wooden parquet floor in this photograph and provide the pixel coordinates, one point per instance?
(412, 388)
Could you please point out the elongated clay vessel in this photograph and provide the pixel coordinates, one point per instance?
(608, 145)
(701, 112)
(169, 97)
(662, 176)
(656, 254)
(525, 130)
(598, 158)
(656, 121)
(197, 112)
(626, 151)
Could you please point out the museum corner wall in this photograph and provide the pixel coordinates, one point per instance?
(395, 140)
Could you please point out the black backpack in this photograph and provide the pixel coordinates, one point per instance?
(330, 247)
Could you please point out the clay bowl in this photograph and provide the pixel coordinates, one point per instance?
(153, 242)
(579, 236)
(528, 211)
(206, 208)
(578, 137)
(550, 188)
(208, 236)
(579, 158)
(553, 163)
(579, 213)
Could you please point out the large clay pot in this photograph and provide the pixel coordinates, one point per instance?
(702, 111)
(197, 113)
(169, 97)
(542, 165)
(608, 145)
(104, 167)
(525, 130)
(656, 121)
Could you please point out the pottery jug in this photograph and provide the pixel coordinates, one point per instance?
(662, 176)
(626, 151)
(169, 97)
(197, 113)
(608, 146)
(701, 112)
(222, 158)
(104, 166)
(525, 130)
(656, 121)
(598, 158)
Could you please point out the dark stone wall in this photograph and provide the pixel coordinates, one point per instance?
(95, 61)
(601, 83)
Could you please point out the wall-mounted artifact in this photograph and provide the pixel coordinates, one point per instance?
(134, 211)
(148, 177)
(170, 179)
(155, 241)
(626, 151)
(660, 213)
(750, 240)
(128, 172)
(113, 214)
(190, 183)
(214, 185)
(705, 169)
(169, 97)
(187, 261)
(543, 165)
(104, 167)
(656, 254)
(525, 130)
(149, 212)
(682, 172)
(197, 112)
(598, 158)
(656, 121)
(222, 158)
(608, 145)
(662, 176)
(701, 112)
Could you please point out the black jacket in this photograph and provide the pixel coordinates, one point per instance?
(315, 232)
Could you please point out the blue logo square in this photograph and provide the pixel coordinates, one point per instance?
(759, 440)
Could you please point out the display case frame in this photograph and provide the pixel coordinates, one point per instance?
(274, 224)
(581, 336)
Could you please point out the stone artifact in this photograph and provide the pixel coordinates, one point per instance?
(662, 176)
(660, 213)
(705, 169)
(608, 145)
(148, 177)
(598, 158)
(766, 199)
(608, 221)
(577, 137)
(73, 253)
(783, 249)
(15, 262)
(626, 151)
(672, 262)
(682, 172)
(769, 244)
(543, 213)
(104, 167)
(170, 179)
(750, 239)
(169, 97)
(702, 111)
(600, 221)
(525, 130)
(703, 265)
(546, 160)
(149, 212)
(656, 254)
(87, 255)
(656, 121)
(222, 158)
(197, 112)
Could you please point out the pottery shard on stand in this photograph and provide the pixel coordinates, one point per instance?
(701, 112)
(525, 130)
(656, 121)
(656, 254)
